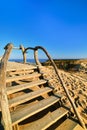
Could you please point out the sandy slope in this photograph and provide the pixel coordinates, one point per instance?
(76, 84)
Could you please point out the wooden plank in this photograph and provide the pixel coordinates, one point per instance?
(27, 111)
(17, 88)
(20, 68)
(28, 96)
(15, 66)
(69, 124)
(20, 72)
(10, 79)
(47, 120)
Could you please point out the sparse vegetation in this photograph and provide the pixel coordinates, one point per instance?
(69, 64)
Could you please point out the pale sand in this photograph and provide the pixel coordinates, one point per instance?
(76, 83)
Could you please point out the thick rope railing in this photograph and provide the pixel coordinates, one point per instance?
(7, 123)
(63, 84)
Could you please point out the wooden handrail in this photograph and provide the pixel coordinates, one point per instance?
(63, 84)
(4, 101)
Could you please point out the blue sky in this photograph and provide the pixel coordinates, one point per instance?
(60, 26)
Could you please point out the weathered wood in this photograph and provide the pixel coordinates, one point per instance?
(16, 127)
(21, 77)
(22, 68)
(4, 101)
(17, 66)
(47, 120)
(17, 88)
(20, 72)
(27, 111)
(36, 58)
(23, 52)
(69, 124)
(28, 96)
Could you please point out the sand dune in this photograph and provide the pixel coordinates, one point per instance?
(76, 83)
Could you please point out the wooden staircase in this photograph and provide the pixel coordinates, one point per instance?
(31, 103)
(30, 96)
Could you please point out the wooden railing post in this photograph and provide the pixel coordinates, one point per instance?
(7, 123)
(36, 57)
(24, 53)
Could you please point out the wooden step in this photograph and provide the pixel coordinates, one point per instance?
(28, 96)
(69, 124)
(17, 88)
(20, 72)
(15, 78)
(23, 113)
(20, 69)
(47, 120)
(15, 66)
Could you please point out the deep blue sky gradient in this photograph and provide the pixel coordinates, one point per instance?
(58, 25)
